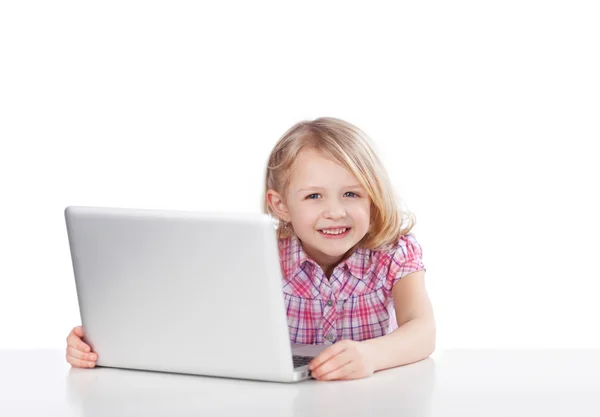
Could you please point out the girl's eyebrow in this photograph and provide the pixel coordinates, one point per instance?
(322, 188)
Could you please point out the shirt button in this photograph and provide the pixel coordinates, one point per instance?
(330, 337)
(329, 303)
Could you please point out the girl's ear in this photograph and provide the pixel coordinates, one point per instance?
(277, 205)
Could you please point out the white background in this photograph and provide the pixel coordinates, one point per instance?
(486, 115)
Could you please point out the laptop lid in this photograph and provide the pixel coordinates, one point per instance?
(181, 291)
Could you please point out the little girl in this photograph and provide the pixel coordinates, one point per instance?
(353, 275)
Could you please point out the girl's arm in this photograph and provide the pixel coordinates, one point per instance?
(414, 339)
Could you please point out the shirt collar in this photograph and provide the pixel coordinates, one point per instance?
(357, 263)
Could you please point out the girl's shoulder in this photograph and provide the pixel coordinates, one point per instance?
(397, 259)
(405, 247)
(285, 246)
(406, 257)
(291, 254)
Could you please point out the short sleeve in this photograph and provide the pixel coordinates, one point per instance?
(406, 257)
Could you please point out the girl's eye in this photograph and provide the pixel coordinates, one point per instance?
(317, 195)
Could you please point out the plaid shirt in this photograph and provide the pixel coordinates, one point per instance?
(356, 303)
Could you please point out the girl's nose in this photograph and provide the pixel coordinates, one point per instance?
(335, 210)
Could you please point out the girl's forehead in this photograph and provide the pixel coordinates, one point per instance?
(310, 166)
(309, 159)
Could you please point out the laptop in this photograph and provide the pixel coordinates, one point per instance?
(184, 292)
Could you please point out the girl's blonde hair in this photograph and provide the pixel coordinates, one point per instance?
(350, 147)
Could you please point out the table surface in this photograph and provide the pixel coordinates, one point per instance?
(461, 383)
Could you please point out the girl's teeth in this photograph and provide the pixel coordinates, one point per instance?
(333, 231)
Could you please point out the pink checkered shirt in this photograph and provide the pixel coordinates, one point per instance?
(356, 303)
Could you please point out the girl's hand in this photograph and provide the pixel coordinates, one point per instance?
(343, 360)
(79, 354)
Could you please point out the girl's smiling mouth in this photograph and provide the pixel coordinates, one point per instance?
(334, 233)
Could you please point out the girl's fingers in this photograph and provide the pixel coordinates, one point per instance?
(78, 331)
(340, 373)
(75, 342)
(79, 363)
(336, 362)
(81, 355)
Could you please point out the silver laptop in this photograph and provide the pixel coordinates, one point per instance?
(185, 292)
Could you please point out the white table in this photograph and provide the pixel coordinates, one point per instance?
(482, 383)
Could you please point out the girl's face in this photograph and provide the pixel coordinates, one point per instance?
(328, 208)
